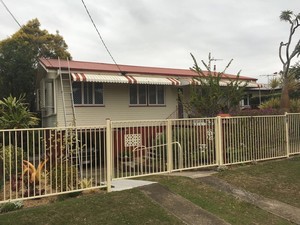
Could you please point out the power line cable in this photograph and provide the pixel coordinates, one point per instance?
(102, 40)
(11, 13)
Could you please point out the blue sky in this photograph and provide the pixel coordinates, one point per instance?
(163, 33)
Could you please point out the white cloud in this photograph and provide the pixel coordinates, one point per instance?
(163, 33)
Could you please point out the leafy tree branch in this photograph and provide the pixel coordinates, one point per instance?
(19, 55)
(213, 92)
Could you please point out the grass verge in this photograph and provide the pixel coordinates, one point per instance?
(126, 207)
(273, 179)
(221, 204)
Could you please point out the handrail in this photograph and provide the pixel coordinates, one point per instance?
(141, 147)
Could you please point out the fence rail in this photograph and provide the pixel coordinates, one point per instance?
(41, 162)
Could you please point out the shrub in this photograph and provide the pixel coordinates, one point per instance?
(64, 176)
(14, 114)
(295, 105)
(11, 156)
(258, 112)
(11, 206)
(273, 103)
(86, 183)
(35, 174)
(256, 100)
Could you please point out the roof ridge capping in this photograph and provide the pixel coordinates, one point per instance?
(107, 67)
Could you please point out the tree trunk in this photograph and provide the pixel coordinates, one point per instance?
(285, 98)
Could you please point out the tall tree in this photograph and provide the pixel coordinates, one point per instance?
(19, 55)
(212, 96)
(286, 55)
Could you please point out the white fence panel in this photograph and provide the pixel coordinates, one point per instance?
(196, 143)
(139, 148)
(247, 139)
(294, 133)
(42, 162)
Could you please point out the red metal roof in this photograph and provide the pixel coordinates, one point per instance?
(105, 67)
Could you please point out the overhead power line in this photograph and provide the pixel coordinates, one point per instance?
(102, 40)
(268, 76)
(10, 13)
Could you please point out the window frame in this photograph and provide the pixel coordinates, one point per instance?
(84, 90)
(158, 88)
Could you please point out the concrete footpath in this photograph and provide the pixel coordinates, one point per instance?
(180, 207)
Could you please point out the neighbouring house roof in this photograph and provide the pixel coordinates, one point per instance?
(79, 66)
(265, 87)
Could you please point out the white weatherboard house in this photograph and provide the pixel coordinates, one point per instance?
(87, 93)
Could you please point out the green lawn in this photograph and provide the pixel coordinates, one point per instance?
(278, 179)
(127, 207)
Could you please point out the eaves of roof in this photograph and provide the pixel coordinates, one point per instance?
(54, 64)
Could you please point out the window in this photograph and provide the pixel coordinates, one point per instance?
(147, 94)
(86, 93)
(138, 94)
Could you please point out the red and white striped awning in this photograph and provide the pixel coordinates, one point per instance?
(83, 77)
(133, 79)
(126, 79)
(153, 80)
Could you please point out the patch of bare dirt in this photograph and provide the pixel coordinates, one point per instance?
(38, 202)
(48, 200)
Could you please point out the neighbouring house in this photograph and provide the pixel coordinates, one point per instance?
(87, 93)
(261, 93)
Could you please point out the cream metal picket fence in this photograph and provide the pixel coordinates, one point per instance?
(51, 161)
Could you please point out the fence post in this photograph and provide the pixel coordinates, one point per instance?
(169, 146)
(287, 134)
(108, 155)
(219, 140)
